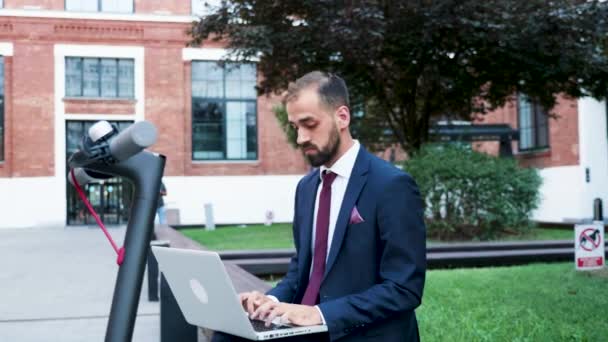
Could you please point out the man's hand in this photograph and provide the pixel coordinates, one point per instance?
(289, 313)
(252, 300)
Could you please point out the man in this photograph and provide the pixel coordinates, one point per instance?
(358, 229)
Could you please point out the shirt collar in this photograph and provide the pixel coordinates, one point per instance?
(343, 167)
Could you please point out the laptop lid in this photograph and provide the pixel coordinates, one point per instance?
(203, 290)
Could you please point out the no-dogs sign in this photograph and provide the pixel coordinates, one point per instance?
(589, 246)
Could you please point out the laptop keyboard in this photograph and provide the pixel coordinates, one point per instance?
(260, 326)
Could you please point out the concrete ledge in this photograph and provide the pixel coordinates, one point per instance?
(241, 279)
(467, 254)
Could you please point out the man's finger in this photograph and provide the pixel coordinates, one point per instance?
(250, 306)
(243, 297)
(262, 310)
(274, 313)
(285, 319)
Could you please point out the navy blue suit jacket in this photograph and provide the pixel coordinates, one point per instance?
(375, 269)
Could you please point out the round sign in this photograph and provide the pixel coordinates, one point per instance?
(590, 239)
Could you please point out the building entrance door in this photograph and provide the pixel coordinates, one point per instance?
(111, 198)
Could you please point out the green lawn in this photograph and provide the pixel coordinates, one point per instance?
(542, 302)
(279, 236)
(544, 234)
(539, 302)
(250, 237)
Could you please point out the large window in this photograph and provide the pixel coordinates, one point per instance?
(224, 120)
(111, 6)
(1, 108)
(99, 77)
(533, 124)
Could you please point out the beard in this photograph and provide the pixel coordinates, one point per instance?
(325, 154)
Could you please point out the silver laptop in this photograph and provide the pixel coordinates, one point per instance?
(207, 297)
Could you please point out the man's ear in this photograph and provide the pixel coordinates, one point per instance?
(343, 117)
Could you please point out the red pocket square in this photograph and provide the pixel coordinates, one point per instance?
(355, 217)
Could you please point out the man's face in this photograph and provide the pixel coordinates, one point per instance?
(315, 126)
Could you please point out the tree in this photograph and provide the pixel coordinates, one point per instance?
(408, 63)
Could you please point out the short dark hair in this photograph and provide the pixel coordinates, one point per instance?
(330, 87)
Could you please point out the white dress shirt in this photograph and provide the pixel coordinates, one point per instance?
(343, 167)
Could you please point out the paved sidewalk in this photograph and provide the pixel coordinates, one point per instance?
(56, 284)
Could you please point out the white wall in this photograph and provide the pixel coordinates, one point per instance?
(560, 193)
(593, 152)
(235, 199)
(31, 201)
(40, 201)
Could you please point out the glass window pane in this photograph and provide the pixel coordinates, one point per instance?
(90, 77)
(108, 78)
(241, 81)
(126, 78)
(1, 75)
(525, 123)
(82, 5)
(252, 134)
(207, 130)
(73, 76)
(207, 78)
(74, 133)
(117, 6)
(236, 130)
(543, 127)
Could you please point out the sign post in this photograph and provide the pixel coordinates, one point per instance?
(589, 246)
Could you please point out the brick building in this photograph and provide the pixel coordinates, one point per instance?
(66, 64)
(569, 147)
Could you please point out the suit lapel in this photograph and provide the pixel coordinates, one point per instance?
(308, 209)
(356, 182)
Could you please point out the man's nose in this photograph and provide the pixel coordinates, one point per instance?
(302, 137)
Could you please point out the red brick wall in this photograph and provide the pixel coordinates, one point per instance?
(165, 104)
(94, 106)
(563, 135)
(31, 135)
(57, 5)
(276, 155)
(29, 108)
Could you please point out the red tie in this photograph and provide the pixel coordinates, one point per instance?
(311, 296)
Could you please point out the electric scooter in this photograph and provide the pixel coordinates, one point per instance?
(104, 153)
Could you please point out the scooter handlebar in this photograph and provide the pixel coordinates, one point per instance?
(133, 140)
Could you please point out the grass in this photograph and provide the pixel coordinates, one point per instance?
(279, 236)
(544, 234)
(251, 237)
(541, 302)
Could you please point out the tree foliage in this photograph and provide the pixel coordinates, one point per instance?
(408, 63)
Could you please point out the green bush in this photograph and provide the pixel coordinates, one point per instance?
(472, 195)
